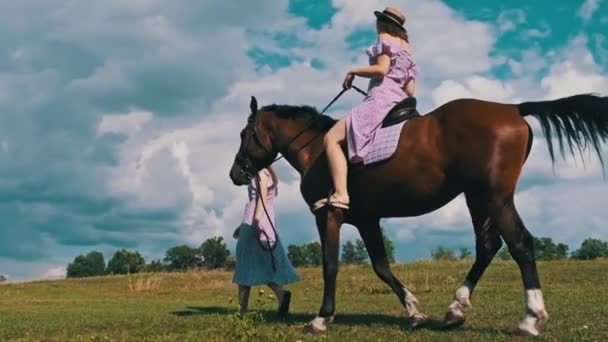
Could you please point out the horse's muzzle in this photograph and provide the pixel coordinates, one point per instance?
(240, 175)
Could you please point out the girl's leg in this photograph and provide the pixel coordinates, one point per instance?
(244, 298)
(283, 297)
(278, 290)
(337, 160)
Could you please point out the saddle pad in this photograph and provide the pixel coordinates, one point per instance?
(384, 143)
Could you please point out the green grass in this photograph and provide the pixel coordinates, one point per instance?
(201, 306)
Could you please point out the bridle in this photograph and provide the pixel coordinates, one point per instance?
(247, 167)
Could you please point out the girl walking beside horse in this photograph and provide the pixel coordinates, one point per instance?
(260, 257)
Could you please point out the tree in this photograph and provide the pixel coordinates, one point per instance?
(361, 252)
(308, 254)
(313, 253)
(230, 263)
(2, 278)
(442, 253)
(92, 264)
(156, 266)
(182, 257)
(214, 253)
(546, 249)
(388, 247)
(124, 262)
(465, 253)
(562, 251)
(296, 255)
(349, 255)
(591, 249)
(354, 253)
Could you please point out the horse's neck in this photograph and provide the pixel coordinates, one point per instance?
(299, 156)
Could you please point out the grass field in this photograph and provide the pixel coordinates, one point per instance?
(201, 306)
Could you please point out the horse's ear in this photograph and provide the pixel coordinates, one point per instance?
(253, 105)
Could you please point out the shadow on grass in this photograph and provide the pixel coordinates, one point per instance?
(346, 319)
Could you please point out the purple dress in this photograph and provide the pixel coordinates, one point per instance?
(382, 94)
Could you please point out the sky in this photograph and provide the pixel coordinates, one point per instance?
(119, 119)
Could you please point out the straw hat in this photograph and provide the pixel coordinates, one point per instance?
(392, 14)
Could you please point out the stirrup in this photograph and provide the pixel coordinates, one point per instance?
(331, 201)
(319, 204)
(334, 202)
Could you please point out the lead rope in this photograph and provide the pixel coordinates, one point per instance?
(270, 247)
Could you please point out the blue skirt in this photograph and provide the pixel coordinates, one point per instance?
(254, 263)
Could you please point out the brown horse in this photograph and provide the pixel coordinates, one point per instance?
(465, 146)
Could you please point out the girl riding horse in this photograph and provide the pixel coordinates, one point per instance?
(393, 73)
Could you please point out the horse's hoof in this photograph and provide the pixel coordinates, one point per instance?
(453, 320)
(525, 332)
(530, 326)
(318, 325)
(418, 320)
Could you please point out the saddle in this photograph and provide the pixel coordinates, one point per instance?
(404, 110)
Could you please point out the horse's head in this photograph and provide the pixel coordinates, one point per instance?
(256, 150)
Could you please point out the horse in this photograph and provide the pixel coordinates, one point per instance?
(467, 145)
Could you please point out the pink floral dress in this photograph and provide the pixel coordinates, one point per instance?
(382, 94)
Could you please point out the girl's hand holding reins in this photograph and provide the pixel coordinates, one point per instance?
(348, 80)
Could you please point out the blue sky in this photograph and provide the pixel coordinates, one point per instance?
(120, 119)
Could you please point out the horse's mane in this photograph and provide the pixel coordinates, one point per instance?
(308, 113)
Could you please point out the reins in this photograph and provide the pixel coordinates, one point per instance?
(312, 123)
(271, 247)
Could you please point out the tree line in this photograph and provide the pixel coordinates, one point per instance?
(544, 249)
(214, 254)
(310, 254)
(211, 254)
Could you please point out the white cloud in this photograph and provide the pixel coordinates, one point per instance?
(566, 79)
(55, 273)
(508, 20)
(575, 71)
(538, 33)
(568, 212)
(127, 124)
(588, 8)
(473, 87)
(405, 234)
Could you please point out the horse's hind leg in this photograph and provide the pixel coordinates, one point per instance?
(521, 246)
(371, 234)
(487, 244)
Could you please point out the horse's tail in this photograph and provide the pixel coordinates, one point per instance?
(581, 119)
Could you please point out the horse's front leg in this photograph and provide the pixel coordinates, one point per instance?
(329, 233)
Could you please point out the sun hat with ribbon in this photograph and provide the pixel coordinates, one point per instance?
(393, 14)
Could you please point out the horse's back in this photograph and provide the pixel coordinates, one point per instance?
(482, 141)
(462, 144)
